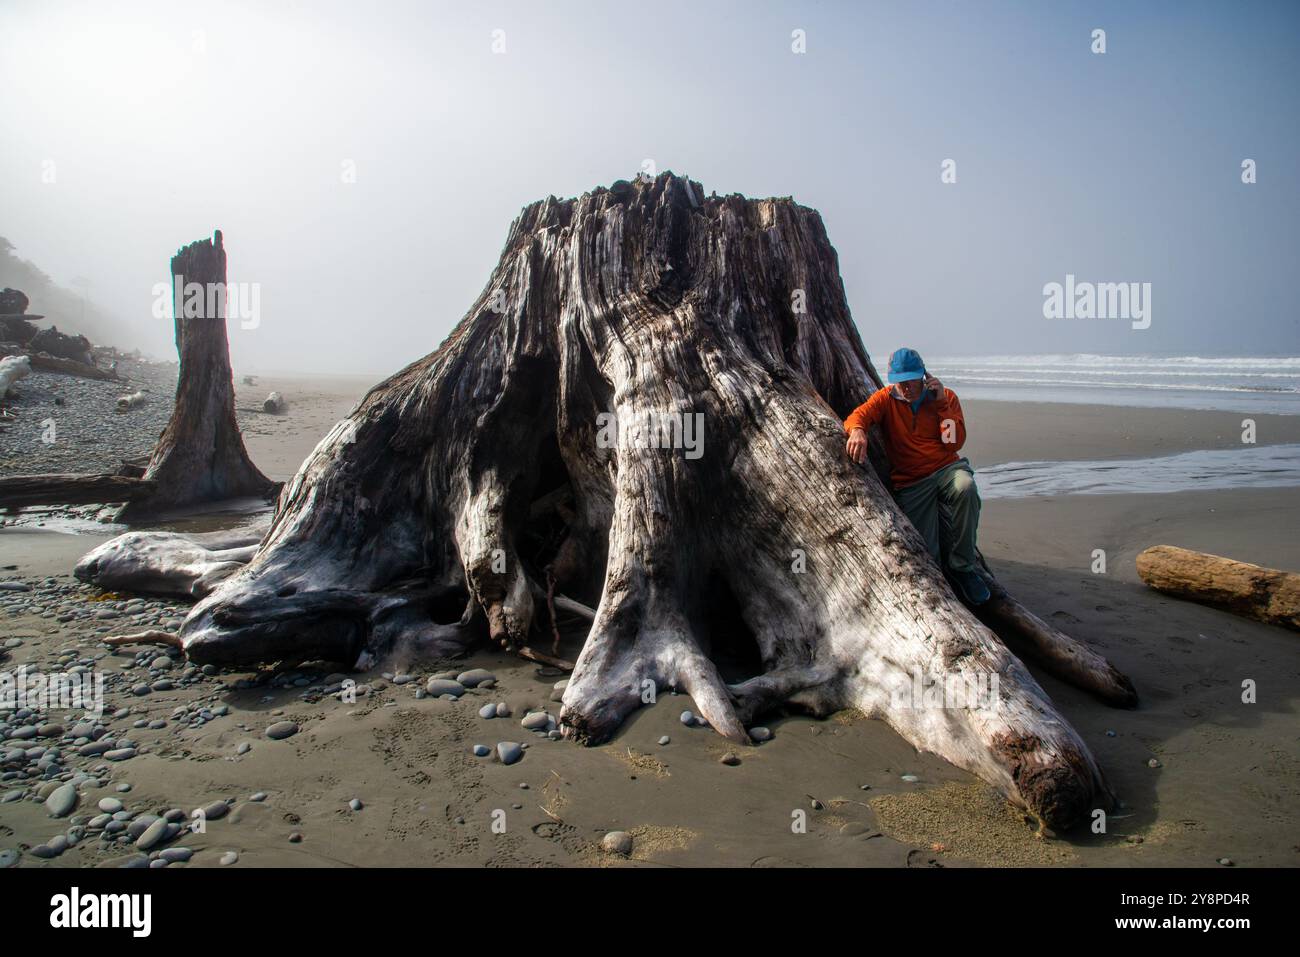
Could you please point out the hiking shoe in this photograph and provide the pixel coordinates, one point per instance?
(972, 587)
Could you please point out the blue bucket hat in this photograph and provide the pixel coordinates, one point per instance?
(906, 364)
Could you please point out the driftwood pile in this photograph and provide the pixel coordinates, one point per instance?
(47, 349)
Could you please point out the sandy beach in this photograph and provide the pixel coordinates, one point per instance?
(1225, 783)
(279, 443)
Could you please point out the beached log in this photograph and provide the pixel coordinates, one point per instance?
(682, 365)
(47, 363)
(200, 456)
(1265, 594)
(128, 402)
(23, 491)
(13, 368)
(274, 404)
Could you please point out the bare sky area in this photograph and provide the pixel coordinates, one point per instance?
(132, 129)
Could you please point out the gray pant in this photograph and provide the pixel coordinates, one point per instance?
(945, 508)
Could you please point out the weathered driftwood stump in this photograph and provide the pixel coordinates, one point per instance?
(200, 456)
(1265, 594)
(470, 486)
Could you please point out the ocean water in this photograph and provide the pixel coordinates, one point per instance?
(1251, 466)
(1260, 384)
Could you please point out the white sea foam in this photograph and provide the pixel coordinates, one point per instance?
(1236, 383)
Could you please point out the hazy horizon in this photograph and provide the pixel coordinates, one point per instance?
(161, 122)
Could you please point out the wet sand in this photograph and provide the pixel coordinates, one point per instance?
(1227, 784)
(279, 443)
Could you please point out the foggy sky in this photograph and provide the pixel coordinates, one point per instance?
(166, 120)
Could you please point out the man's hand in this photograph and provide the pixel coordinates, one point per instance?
(934, 385)
(857, 446)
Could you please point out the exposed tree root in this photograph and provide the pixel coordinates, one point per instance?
(150, 637)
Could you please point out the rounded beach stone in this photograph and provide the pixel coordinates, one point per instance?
(61, 800)
(475, 677)
(281, 730)
(441, 686)
(617, 842)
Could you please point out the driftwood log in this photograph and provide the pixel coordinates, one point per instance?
(642, 412)
(1265, 594)
(46, 363)
(275, 404)
(200, 456)
(23, 491)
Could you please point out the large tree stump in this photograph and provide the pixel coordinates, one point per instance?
(467, 489)
(200, 456)
(1265, 594)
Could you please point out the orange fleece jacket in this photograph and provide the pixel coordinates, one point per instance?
(914, 441)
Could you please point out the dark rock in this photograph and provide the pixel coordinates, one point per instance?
(62, 346)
